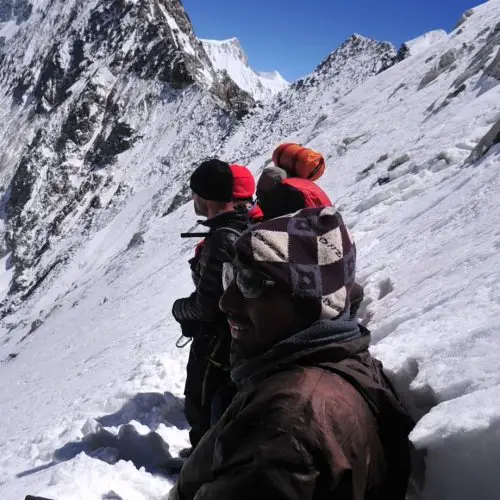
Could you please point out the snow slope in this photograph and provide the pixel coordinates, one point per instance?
(302, 106)
(412, 162)
(424, 42)
(96, 99)
(228, 55)
(273, 81)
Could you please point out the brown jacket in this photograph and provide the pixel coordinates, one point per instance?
(297, 429)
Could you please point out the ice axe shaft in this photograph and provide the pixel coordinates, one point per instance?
(31, 497)
(193, 235)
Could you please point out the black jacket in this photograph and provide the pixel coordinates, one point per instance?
(203, 304)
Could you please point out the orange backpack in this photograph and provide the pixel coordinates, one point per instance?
(299, 161)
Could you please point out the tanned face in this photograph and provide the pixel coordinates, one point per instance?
(258, 324)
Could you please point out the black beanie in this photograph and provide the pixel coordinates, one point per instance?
(213, 180)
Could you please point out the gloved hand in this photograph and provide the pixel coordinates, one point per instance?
(190, 329)
(176, 310)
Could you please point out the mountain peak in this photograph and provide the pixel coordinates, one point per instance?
(228, 41)
(379, 53)
(357, 40)
(229, 56)
(273, 75)
(223, 52)
(358, 37)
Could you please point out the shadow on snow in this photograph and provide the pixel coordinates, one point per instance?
(143, 450)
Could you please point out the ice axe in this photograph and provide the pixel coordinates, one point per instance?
(194, 235)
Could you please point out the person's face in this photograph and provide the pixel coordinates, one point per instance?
(200, 206)
(257, 324)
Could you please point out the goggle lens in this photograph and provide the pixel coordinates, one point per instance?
(250, 283)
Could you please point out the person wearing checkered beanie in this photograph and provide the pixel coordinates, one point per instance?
(314, 417)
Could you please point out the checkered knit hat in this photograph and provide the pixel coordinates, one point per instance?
(311, 252)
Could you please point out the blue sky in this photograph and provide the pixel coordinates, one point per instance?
(293, 36)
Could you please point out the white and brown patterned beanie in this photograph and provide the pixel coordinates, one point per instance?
(311, 253)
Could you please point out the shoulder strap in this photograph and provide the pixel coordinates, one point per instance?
(394, 428)
(206, 233)
(346, 374)
(230, 230)
(316, 169)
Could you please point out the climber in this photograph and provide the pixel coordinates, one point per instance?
(314, 416)
(201, 320)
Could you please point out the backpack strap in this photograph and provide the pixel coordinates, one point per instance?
(394, 427)
(206, 233)
(316, 170)
(230, 230)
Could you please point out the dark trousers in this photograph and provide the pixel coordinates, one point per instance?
(203, 381)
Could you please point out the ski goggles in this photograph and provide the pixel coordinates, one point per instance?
(250, 283)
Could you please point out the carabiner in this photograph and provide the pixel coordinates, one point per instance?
(180, 344)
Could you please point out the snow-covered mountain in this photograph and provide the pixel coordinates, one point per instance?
(420, 44)
(273, 81)
(424, 42)
(302, 106)
(229, 56)
(86, 87)
(97, 140)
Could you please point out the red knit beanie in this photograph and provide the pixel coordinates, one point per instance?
(243, 182)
